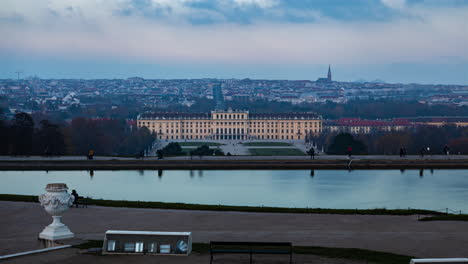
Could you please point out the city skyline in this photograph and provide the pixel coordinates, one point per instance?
(398, 41)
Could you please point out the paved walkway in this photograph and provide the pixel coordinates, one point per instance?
(241, 157)
(21, 222)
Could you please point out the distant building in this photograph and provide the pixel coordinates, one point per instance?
(232, 125)
(360, 126)
(329, 77)
(459, 121)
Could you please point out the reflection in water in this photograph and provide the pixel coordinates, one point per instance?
(432, 171)
(285, 188)
(91, 174)
(200, 173)
(402, 171)
(141, 172)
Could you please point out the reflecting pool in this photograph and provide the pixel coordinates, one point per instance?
(438, 189)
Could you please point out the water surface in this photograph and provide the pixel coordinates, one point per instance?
(435, 190)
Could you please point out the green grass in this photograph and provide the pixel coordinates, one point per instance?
(449, 217)
(356, 254)
(253, 209)
(276, 152)
(267, 144)
(90, 244)
(197, 144)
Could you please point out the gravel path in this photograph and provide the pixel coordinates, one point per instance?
(21, 222)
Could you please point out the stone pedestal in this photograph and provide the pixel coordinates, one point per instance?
(56, 201)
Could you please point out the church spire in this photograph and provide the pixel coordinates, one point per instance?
(329, 76)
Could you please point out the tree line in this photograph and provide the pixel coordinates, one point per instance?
(21, 135)
(389, 143)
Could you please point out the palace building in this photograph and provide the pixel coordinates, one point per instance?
(232, 125)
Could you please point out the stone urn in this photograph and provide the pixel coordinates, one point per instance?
(56, 201)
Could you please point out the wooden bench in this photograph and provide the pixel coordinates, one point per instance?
(223, 247)
(81, 201)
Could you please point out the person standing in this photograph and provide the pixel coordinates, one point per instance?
(350, 151)
(446, 150)
(312, 153)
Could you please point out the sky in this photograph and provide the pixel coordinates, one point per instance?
(398, 41)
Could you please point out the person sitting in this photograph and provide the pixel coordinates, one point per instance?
(75, 194)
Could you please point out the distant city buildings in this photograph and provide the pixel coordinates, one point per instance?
(61, 95)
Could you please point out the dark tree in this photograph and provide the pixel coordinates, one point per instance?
(341, 143)
(22, 129)
(49, 139)
(172, 149)
(5, 141)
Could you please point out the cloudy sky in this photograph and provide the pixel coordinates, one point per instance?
(423, 41)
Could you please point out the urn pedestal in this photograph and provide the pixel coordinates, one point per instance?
(56, 201)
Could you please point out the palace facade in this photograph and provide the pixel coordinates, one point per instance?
(232, 125)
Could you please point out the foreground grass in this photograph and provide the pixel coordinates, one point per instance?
(449, 217)
(253, 209)
(340, 253)
(197, 144)
(276, 152)
(267, 144)
(90, 244)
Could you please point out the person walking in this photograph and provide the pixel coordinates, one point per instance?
(421, 152)
(402, 152)
(350, 151)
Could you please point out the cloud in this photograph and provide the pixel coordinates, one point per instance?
(396, 4)
(96, 29)
(260, 3)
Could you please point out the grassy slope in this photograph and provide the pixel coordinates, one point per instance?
(260, 209)
(450, 217)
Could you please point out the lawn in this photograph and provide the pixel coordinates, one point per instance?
(197, 144)
(276, 152)
(260, 209)
(267, 144)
